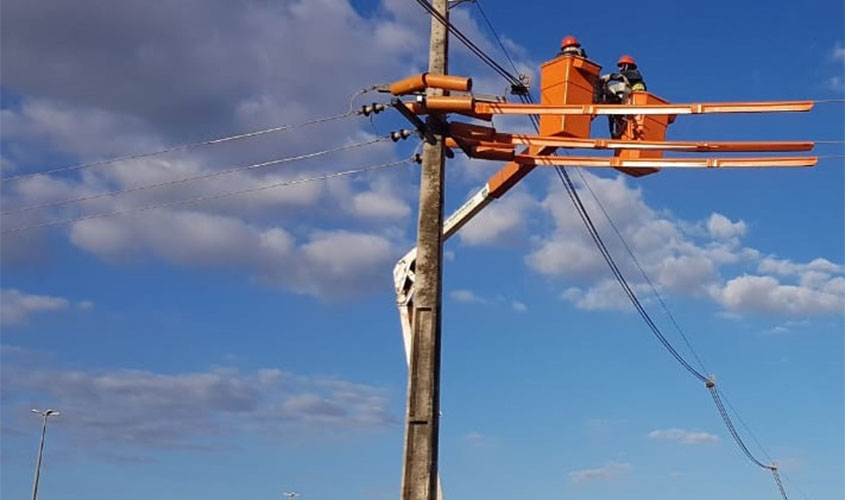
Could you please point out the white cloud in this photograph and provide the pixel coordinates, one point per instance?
(766, 295)
(327, 264)
(835, 83)
(475, 438)
(786, 267)
(145, 409)
(721, 228)
(685, 257)
(689, 273)
(604, 295)
(380, 205)
(17, 307)
(684, 437)
(286, 236)
(500, 222)
(664, 249)
(563, 257)
(838, 52)
(181, 83)
(466, 297)
(607, 472)
(776, 330)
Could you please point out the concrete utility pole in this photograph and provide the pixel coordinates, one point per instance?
(45, 414)
(419, 474)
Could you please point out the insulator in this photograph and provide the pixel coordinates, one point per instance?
(373, 109)
(399, 135)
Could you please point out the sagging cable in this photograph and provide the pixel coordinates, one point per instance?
(188, 146)
(395, 136)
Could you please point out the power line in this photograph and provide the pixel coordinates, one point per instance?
(196, 177)
(792, 483)
(489, 61)
(215, 196)
(182, 147)
(745, 426)
(617, 273)
(710, 384)
(495, 35)
(642, 271)
(714, 393)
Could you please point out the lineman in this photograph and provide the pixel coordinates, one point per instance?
(570, 46)
(628, 68)
(615, 88)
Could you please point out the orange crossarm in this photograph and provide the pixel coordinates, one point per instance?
(616, 162)
(501, 140)
(422, 81)
(484, 108)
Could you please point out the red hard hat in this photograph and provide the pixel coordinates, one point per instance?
(626, 60)
(569, 41)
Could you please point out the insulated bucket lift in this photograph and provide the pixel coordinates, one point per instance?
(567, 108)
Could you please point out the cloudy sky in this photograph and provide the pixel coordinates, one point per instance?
(249, 345)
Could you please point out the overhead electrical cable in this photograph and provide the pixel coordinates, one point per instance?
(495, 35)
(642, 271)
(617, 273)
(489, 61)
(710, 384)
(215, 196)
(183, 147)
(208, 175)
(744, 425)
(714, 392)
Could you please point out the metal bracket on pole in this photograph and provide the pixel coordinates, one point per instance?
(409, 115)
(423, 129)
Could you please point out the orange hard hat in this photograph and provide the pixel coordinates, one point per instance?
(626, 60)
(569, 41)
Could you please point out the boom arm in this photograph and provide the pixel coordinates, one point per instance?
(403, 272)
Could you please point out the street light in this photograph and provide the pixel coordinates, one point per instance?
(291, 494)
(45, 414)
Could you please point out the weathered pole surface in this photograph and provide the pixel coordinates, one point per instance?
(419, 472)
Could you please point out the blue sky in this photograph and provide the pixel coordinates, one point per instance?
(248, 346)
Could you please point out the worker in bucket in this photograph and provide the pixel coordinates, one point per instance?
(615, 88)
(628, 68)
(570, 46)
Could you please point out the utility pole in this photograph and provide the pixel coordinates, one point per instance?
(45, 414)
(419, 471)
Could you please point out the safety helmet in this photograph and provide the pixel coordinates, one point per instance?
(626, 60)
(569, 41)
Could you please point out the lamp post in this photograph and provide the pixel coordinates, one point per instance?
(45, 415)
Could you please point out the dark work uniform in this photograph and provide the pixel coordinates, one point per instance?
(634, 78)
(616, 123)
